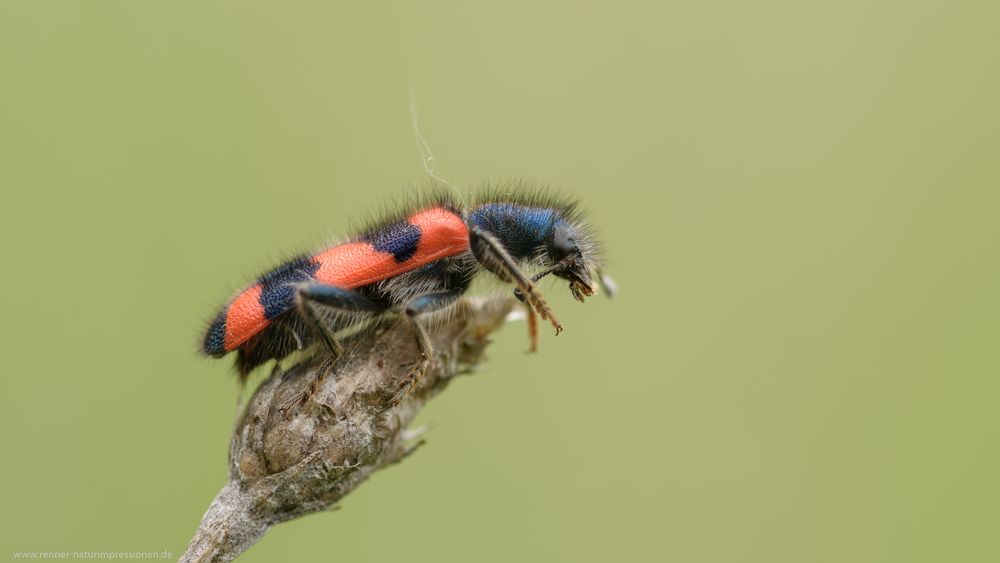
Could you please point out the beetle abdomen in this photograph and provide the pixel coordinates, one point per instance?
(424, 237)
(254, 307)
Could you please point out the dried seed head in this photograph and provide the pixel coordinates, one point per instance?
(311, 434)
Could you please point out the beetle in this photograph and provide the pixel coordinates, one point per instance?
(416, 261)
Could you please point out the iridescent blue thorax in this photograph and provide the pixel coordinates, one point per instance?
(521, 228)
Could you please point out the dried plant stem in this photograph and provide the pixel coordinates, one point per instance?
(311, 434)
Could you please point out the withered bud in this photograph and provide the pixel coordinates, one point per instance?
(311, 434)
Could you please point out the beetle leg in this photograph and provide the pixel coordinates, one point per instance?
(495, 258)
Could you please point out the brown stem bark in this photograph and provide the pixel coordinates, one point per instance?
(313, 433)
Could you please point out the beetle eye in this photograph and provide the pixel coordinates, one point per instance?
(562, 243)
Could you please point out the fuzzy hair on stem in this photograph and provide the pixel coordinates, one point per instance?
(311, 434)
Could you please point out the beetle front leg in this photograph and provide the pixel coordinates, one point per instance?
(494, 257)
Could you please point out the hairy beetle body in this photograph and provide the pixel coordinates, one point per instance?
(417, 262)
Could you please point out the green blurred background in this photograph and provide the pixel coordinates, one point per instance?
(800, 203)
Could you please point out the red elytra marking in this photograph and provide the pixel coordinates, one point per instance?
(442, 234)
(354, 264)
(244, 317)
(350, 265)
